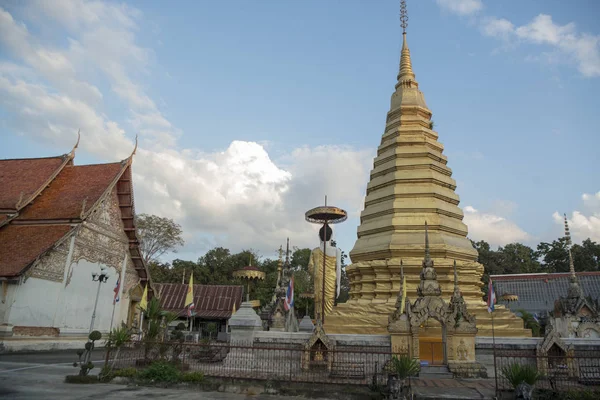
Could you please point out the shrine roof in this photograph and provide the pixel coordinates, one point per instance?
(22, 244)
(22, 178)
(64, 197)
(538, 292)
(211, 301)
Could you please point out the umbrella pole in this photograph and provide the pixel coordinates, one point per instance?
(323, 278)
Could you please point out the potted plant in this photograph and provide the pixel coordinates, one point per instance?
(399, 369)
(522, 378)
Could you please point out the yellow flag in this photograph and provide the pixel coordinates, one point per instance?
(403, 294)
(189, 298)
(144, 302)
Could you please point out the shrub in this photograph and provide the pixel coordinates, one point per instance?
(517, 374)
(161, 371)
(403, 366)
(193, 377)
(84, 356)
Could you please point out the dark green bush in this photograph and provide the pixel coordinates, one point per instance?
(193, 377)
(161, 371)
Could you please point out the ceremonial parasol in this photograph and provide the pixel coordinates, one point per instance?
(249, 273)
(325, 215)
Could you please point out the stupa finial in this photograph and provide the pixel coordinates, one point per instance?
(456, 290)
(406, 76)
(569, 243)
(403, 16)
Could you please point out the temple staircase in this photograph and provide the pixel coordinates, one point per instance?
(435, 372)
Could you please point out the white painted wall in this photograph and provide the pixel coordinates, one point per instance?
(40, 302)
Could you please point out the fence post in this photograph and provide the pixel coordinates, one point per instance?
(183, 358)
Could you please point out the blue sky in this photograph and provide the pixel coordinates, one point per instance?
(249, 112)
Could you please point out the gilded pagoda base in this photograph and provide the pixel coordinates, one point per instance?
(355, 317)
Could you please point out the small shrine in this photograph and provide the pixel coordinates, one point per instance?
(318, 350)
(554, 357)
(574, 315)
(458, 326)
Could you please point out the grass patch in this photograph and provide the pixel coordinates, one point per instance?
(81, 379)
(192, 377)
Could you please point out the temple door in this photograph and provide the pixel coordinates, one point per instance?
(431, 350)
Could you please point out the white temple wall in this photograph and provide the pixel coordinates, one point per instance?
(56, 295)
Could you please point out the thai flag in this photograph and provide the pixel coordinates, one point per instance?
(491, 296)
(289, 297)
(117, 289)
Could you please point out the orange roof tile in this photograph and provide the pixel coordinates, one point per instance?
(25, 176)
(22, 244)
(63, 199)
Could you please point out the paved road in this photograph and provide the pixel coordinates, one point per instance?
(41, 376)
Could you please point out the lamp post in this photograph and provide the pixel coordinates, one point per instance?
(101, 278)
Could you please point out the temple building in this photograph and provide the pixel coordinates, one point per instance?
(411, 184)
(213, 305)
(59, 224)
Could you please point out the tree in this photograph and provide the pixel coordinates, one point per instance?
(516, 258)
(555, 255)
(157, 236)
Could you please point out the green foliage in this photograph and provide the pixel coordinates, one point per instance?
(157, 235)
(118, 336)
(431, 124)
(517, 373)
(555, 255)
(403, 366)
(529, 322)
(161, 371)
(84, 356)
(126, 372)
(192, 377)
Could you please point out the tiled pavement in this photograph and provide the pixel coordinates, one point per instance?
(453, 388)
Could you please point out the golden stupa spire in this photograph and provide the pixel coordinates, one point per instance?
(406, 75)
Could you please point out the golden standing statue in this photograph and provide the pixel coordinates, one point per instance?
(333, 272)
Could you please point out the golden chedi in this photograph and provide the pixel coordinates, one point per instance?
(410, 184)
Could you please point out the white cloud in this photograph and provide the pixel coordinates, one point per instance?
(237, 198)
(570, 46)
(497, 27)
(584, 224)
(494, 229)
(461, 7)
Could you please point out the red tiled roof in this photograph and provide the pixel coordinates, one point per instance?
(25, 176)
(63, 199)
(22, 244)
(211, 301)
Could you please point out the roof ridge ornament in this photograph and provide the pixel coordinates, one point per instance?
(72, 153)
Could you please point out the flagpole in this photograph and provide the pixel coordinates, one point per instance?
(112, 317)
(494, 352)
